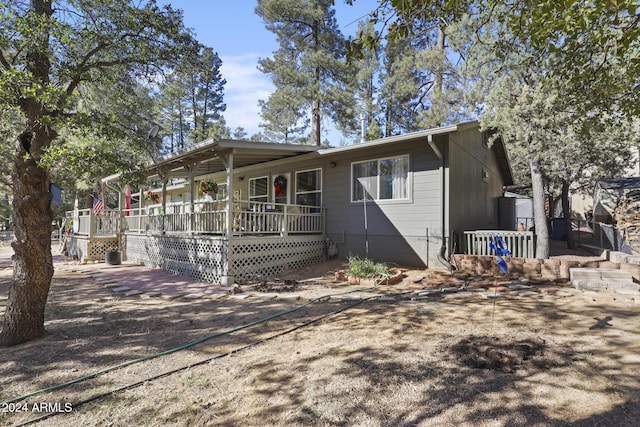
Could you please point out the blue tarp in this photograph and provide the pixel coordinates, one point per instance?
(500, 248)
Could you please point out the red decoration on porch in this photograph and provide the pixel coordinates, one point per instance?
(280, 184)
(208, 187)
(150, 196)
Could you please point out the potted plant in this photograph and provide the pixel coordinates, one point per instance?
(152, 197)
(363, 271)
(207, 187)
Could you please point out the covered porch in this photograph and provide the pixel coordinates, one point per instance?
(191, 217)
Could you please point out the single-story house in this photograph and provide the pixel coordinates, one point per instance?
(227, 210)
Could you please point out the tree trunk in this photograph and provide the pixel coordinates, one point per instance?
(32, 260)
(315, 105)
(32, 214)
(438, 79)
(566, 212)
(540, 219)
(315, 123)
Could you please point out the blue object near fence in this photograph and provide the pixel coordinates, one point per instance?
(500, 248)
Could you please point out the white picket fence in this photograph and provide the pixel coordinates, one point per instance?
(519, 243)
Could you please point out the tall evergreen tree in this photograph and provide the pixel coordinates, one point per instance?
(206, 91)
(366, 88)
(192, 98)
(174, 113)
(399, 87)
(284, 114)
(559, 138)
(310, 64)
(422, 84)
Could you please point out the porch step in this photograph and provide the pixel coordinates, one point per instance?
(621, 257)
(602, 278)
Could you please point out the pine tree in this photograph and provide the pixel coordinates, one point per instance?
(192, 98)
(525, 76)
(399, 87)
(207, 92)
(366, 87)
(309, 66)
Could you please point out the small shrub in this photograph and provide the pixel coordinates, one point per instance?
(365, 268)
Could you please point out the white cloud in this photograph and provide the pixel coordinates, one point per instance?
(245, 86)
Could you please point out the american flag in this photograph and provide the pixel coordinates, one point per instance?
(98, 206)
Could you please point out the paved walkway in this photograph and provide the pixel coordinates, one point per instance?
(130, 279)
(134, 279)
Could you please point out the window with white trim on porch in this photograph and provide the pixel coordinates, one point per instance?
(309, 187)
(259, 189)
(380, 179)
(222, 191)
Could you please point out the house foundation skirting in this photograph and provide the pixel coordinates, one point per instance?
(201, 258)
(94, 248)
(534, 268)
(254, 258)
(216, 259)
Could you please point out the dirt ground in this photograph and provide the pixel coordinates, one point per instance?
(397, 355)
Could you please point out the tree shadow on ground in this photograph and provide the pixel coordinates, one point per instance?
(378, 362)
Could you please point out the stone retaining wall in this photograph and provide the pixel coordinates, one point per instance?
(534, 268)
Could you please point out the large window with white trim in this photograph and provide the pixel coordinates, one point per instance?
(380, 179)
(309, 187)
(259, 189)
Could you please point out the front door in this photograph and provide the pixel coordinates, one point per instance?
(281, 188)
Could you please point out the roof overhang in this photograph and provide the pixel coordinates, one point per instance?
(211, 156)
(390, 140)
(502, 156)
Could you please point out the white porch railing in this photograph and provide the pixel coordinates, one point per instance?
(86, 223)
(210, 217)
(519, 243)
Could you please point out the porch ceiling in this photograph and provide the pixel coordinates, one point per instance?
(211, 156)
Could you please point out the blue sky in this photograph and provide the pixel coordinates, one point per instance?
(239, 37)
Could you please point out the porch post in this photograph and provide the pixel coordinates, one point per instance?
(92, 224)
(165, 179)
(227, 279)
(122, 204)
(141, 210)
(229, 216)
(192, 205)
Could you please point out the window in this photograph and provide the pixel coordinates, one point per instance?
(382, 179)
(258, 189)
(222, 192)
(309, 187)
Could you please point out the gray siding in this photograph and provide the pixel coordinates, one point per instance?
(475, 183)
(397, 231)
(404, 232)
